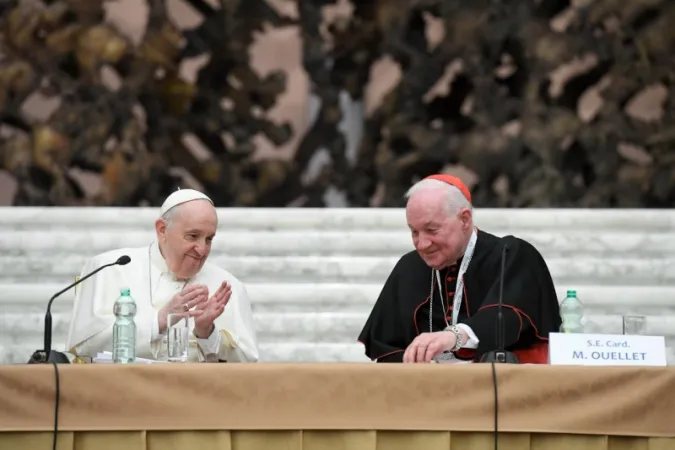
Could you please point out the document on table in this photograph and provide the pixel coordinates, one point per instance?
(449, 358)
(106, 358)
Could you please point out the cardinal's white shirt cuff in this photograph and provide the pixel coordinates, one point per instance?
(473, 339)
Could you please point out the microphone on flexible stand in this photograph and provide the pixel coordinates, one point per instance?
(47, 355)
(500, 355)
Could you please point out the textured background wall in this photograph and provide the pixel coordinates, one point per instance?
(285, 103)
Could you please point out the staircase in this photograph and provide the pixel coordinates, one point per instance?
(313, 274)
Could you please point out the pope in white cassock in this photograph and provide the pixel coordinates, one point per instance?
(169, 275)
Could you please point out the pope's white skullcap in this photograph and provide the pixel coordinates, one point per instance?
(182, 196)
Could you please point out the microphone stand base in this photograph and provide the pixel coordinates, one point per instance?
(500, 356)
(41, 357)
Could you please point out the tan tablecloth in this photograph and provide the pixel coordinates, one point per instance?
(317, 406)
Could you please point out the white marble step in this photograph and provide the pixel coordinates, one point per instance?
(313, 274)
(325, 327)
(343, 219)
(321, 297)
(272, 297)
(343, 269)
(85, 243)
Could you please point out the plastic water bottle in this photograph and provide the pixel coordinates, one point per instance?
(124, 330)
(571, 312)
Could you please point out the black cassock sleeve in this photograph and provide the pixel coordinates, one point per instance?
(530, 305)
(382, 334)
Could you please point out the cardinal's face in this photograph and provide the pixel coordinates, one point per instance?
(440, 238)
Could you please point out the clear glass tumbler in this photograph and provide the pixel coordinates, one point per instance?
(177, 337)
(634, 325)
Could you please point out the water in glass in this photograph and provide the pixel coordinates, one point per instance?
(177, 338)
(633, 325)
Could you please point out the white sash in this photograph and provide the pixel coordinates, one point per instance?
(459, 287)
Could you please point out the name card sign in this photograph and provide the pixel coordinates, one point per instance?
(580, 349)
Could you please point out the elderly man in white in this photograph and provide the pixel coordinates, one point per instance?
(169, 275)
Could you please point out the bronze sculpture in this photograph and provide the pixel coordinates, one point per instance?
(501, 93)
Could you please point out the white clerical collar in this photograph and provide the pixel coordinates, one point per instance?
(158, 260)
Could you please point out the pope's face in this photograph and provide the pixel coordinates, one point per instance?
(439, 238)
(186, 242)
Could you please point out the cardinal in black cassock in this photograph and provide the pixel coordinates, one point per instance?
(440, 301)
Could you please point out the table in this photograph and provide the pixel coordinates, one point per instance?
(315, 406)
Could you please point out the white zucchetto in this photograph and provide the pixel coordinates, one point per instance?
(182, 196)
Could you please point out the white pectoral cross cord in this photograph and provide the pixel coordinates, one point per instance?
(459, 289)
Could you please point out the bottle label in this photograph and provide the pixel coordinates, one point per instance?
(124, 342)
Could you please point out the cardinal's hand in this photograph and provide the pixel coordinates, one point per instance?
(428, 345)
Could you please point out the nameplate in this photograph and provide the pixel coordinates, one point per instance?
(580, 349)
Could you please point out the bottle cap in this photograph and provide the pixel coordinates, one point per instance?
(125, 291)
(571, 293)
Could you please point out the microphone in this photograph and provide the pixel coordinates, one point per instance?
(47, 355)
(500, 355)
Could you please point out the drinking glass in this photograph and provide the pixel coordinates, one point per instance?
(177, 337)
(633, 325)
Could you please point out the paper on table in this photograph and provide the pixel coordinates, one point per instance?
(106, 358)
(451, 361)
(448, 358)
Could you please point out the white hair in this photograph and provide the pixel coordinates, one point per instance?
(455, 200)
(168, 216)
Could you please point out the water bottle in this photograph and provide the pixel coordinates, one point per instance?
(571, 312)
(124, 330)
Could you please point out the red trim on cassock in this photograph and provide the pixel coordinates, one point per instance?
(381, 356)
(417, 330)
(537, 354)
(450, 296)
(465, 353)
(466, 298)
(387, 354)
(520, 319)
(520, 314)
